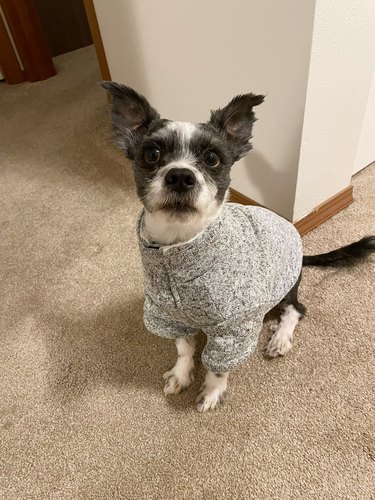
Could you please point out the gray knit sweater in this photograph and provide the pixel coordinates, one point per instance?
(222, 282)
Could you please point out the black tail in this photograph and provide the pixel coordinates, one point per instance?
(344, 256)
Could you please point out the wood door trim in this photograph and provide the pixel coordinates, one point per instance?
(97, 38)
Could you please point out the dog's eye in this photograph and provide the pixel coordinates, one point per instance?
(152, 155)
(211, 159)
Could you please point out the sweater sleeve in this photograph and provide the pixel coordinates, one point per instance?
(231, 342)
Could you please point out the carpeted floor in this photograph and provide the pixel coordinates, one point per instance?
(82, 413)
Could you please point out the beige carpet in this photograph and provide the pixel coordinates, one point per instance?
(82, 414)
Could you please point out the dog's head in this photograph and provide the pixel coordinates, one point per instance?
(181, 168)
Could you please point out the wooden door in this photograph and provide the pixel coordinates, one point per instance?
(24, 53)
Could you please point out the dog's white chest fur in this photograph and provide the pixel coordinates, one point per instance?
(162, 228)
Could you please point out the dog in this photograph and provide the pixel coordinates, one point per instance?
(210, 265)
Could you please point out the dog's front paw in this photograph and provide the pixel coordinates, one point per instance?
(209, 398)
(279, 345)
(176, 380)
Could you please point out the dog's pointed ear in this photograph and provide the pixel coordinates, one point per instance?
(131, 115)
(236, 121)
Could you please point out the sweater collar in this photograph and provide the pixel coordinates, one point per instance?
(187, 259)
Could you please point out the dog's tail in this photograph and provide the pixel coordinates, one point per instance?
(344, 256)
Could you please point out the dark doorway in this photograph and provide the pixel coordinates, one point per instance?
(64, 24)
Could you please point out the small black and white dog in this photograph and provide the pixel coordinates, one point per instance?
(182, 175)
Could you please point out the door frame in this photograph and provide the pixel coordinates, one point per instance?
(97, 39)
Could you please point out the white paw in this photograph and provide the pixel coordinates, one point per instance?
(209, 398)
(279, 345)
(178, 379)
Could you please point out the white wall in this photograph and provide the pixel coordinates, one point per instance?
(366, 144)
(341, 69)
(191, 56)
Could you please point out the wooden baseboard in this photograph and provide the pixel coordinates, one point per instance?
(319, 215)
(236, 197)
(97, 39)
(325, 211)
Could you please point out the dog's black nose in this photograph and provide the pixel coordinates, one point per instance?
(180, 179)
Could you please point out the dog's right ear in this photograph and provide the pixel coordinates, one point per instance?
(131, 115)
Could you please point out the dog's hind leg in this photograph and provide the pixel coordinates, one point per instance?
(182, 374)
(281, 341)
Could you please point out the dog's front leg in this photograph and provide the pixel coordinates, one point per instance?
(182, 374)
(213, 391)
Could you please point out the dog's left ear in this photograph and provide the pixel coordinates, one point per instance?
(131, 115)
(236, 121)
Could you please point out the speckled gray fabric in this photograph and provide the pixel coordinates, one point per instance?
(223, 282)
